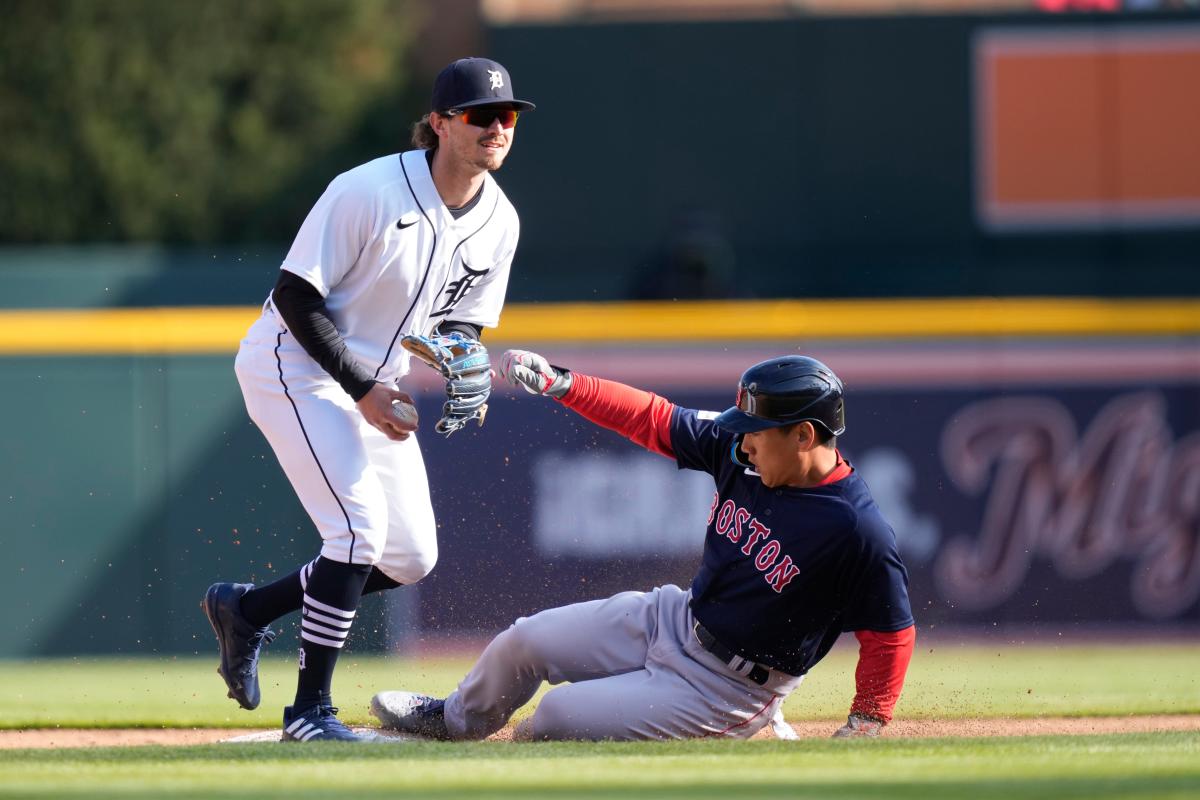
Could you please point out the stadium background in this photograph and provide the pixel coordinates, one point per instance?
(988, 223)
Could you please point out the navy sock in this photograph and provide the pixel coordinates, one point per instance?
(265, 604)
(378, 582)
(262, 605)
(330, 600)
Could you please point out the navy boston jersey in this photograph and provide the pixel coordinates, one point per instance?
(785, 571)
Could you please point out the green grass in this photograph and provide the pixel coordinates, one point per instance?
(1143, 766)
(943, 683)
(947, 682)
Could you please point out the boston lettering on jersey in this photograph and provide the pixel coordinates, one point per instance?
(733, 522)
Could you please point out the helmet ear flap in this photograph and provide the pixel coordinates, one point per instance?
(736, 453)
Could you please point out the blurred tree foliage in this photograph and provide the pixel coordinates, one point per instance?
(187, 121)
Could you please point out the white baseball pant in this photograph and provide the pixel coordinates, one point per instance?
(367, 495)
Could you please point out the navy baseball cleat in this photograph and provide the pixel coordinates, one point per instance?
(318, 724)
(409, 712)
(238, 640)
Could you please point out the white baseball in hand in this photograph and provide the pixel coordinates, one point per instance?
(405, 412)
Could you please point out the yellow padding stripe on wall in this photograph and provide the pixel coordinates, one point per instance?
(218, 329)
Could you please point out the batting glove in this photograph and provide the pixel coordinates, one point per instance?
(534, 374)
(859, 725)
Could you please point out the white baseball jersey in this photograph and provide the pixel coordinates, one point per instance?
(390, 260)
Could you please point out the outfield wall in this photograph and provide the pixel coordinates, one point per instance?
(1041, 480)
(923, 155)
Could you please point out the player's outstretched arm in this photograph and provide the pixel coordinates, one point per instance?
(642, 417)
(882, 664)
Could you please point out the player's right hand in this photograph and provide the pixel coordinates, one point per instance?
(376, 408)
(534, 374)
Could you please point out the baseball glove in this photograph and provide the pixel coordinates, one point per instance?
(464, 363)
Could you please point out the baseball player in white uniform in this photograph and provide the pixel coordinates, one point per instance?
(412, 244)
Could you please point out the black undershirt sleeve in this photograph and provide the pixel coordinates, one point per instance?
(303, 310)
(468, 329)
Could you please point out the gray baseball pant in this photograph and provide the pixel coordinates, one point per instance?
(632, 668)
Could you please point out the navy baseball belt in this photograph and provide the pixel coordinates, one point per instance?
(748, 669)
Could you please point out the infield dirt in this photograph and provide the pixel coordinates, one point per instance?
(1035, 726)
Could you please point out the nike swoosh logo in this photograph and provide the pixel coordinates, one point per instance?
(407, 220)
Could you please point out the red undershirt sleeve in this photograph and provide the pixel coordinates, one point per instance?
(882, 663)
(642, 417)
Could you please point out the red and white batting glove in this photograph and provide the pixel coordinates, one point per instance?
(533, 373)
(859, 725)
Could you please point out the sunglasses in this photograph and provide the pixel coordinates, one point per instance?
(483, 117)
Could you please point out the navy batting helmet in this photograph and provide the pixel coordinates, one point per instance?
(786, 390)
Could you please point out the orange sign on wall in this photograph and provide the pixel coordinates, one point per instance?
(1088, 127)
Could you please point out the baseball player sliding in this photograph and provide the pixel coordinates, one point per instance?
(795, 553)
(406, 253)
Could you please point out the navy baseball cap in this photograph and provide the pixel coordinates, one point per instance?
(475, 82)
